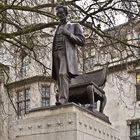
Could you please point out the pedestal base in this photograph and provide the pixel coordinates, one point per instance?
(66, 122)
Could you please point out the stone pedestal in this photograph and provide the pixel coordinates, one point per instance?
(67, 122)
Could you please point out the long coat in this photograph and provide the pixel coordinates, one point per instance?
(70, 44)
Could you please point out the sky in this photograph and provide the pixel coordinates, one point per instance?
(120, 19)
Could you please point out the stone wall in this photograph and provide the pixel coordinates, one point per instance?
(68, 122)
(121, 100)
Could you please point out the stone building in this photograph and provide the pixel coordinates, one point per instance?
(122, 87)
(32, 89)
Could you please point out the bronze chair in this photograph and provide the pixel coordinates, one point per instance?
(88, 89)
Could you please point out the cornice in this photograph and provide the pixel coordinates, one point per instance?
(30, 80)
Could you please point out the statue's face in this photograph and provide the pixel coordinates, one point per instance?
(61, 14)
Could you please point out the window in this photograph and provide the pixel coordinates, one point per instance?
(45, 96)
(139, 39)
(139, 43)
(135, 130)
(138, 78)
(89, 57)
(114, 54)
(89, 51)
(89, 64)
(23, 102)
(138, 86)
(25, 66)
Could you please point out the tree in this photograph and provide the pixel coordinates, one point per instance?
(28, 25)
(26, 29)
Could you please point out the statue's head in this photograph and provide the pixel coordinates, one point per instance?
(62, 12)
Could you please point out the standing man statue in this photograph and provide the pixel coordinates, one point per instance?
(64, 66)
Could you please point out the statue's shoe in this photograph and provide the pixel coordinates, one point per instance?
(61, 102)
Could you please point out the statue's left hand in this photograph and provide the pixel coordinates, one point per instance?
(66, 32)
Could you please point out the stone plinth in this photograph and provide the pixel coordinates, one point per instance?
(67, 122)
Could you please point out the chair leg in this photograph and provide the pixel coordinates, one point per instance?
(102, 104)
(91, 96)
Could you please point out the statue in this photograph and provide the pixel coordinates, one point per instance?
(64, 66)
(85, 89)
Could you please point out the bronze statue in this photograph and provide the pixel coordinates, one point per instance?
(64, 67)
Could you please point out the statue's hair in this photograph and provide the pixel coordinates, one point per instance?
(64, 7)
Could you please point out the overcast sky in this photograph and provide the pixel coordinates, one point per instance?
(120, 19)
